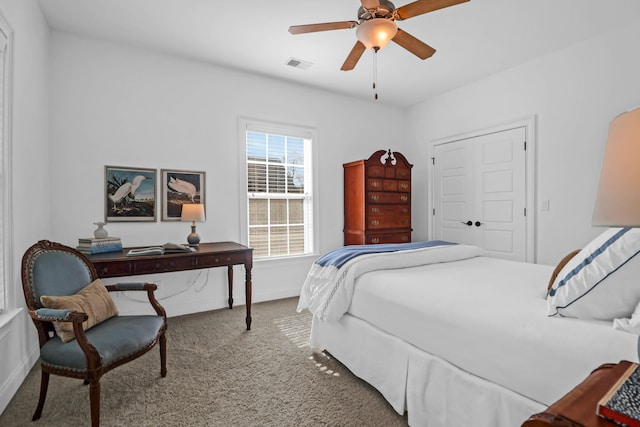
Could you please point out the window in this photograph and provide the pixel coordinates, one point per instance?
(5, 68)
(279, 190)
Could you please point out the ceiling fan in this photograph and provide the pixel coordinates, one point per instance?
(375, 27)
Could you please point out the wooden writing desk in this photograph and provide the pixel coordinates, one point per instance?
(207, 255)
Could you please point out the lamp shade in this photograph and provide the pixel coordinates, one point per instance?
(618, 198)
(376, 32)
(192, 212)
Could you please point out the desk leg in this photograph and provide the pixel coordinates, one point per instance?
(247, 291)
(230, 280)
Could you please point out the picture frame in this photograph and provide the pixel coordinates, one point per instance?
(129, 194)
(179, 187)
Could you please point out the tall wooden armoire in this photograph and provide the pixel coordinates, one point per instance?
(377, 199)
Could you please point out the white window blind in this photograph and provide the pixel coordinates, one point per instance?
(4, 158)
(279, 191)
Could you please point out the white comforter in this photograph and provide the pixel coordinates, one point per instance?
(327, 292)
(488, 317)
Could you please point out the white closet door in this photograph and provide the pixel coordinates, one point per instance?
(500, 189)
(480, 193)
(454, 194)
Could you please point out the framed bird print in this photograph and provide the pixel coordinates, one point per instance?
(130, 194)
(179, 187)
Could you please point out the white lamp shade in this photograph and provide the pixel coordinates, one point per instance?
(618, 198)
(192, 212)
(376, 32)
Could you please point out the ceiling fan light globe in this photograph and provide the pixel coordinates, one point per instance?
(376, 33)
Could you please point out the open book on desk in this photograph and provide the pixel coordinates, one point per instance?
(167, 248)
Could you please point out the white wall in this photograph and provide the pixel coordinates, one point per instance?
(574, 93)
(117, 105)
(31, 173)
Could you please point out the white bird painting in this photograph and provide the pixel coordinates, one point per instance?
(126, 189)
(184, 187)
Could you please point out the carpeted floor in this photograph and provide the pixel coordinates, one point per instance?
(219, 374)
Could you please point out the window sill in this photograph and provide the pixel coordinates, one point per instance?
(7, 316)
(288, 260)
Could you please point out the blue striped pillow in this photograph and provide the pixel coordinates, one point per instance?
(602, 281)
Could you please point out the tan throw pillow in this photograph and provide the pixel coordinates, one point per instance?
(560, 266)
(94, 300)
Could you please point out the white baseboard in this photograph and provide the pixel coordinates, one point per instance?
(11, 384)
(279, 294)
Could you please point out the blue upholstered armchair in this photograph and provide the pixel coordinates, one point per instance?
(56, 280)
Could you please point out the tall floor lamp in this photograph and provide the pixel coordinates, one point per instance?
(618, 198)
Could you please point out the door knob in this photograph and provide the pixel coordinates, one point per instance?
(469, 223)
(478, 223)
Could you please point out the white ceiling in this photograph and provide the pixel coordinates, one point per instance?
(472, 40)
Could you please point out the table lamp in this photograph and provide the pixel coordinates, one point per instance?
(193, 213)
(618, 198)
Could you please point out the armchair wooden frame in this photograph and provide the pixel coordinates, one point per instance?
(44, 324)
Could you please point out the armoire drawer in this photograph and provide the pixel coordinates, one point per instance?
(404, 186)
(387, 221)
(388, 198)
(376, 171)
(387, 210)
(402, 173)
(388, 238)
(387, 185)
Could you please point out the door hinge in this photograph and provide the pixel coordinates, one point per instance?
(433, 160)
(525, 211)
(433, 212)
(525, 146)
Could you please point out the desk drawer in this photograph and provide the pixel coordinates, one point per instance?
(114, 269)
(205, 261)
(163, 264)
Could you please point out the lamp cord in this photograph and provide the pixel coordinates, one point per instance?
(375, 72)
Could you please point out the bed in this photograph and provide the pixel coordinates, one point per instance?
(457, 338)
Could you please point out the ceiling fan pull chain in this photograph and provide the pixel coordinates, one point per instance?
(375, 73)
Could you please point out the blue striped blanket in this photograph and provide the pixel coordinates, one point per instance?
(328, 288)
(341, 256)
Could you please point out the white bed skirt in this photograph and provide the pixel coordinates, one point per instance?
(434, 392)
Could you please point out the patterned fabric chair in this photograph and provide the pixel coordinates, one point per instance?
(53, 270)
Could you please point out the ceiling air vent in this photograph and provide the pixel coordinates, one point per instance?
(298, 63)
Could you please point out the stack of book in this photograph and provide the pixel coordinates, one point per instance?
(90, 245)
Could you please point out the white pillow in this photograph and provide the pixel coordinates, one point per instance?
(631, 325)
(602, 281)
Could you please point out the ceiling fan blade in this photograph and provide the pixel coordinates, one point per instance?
(423, 6)
(370, 4)
(413, 45)
(312, 28)
(354, 56)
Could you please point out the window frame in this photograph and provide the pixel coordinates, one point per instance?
(277, 128)
(7, 299)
